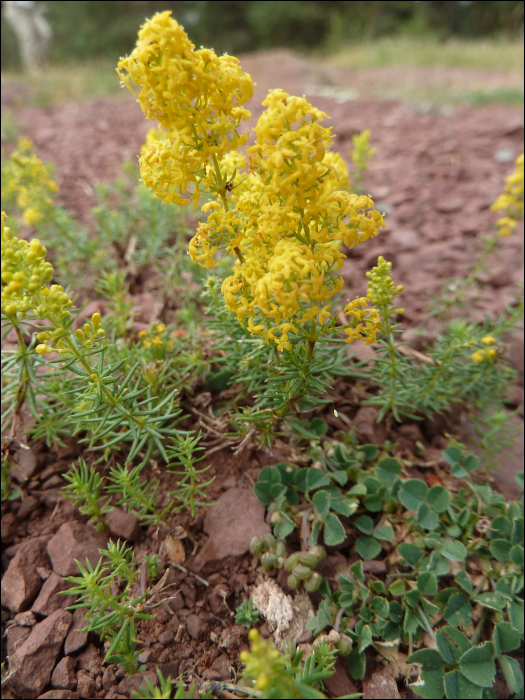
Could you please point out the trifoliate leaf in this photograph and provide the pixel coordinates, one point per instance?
(412, 493)
(477, 665)
(367, 547)
(334, 532)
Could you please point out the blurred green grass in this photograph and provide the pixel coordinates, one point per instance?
(414, 69)
(62, 83)
(429, 52)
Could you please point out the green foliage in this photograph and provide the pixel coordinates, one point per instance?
(165, 689)
(246, 614)
(9, 493)
(459, 669)
(443, 530)
(84, 490)
(190, 486)
(110, 614)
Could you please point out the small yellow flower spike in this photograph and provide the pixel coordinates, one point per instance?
(511, 201)
(381, 290)
(362, 152)
(488, 340)
(264, 664)
(27, 183)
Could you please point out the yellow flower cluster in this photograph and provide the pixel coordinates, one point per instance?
(156, 340)
(288, 223)
(24, 273)
(26, 182)
(367, 320)
(511, 201)
(264, 664)
(197, 98)
(25, 276)
(488, 353)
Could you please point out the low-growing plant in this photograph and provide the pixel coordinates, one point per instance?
(113, 604)
(453, 558)
(246, 614)
(271, 347)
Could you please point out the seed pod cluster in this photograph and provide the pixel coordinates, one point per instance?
(301, 565)
(270, 551)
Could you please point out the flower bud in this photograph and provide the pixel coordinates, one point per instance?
(313, 583)
(269, 540)
(303, 573)
(308, 559)
(293, 582)
(344, 645)
(280, 549)
(79, 333)
(292, 560)
(319, 551)
(42, 349)
(269, 561)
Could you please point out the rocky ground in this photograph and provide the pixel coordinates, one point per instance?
(435, 174)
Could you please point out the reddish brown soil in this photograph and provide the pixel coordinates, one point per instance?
(435, 174)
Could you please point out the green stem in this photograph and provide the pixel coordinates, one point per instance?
(490, 246)
(224, 199)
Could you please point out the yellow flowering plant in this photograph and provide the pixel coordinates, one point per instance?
(27, 182)
(280, 210)
(111, 409)
(510, 203)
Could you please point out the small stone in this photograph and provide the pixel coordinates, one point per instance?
(166, 638)
(170, 669)
(49, 598)
(222, 666)
(211, 675)
(85, 684)
(26, 462)
(381, 686)
(108, 678)
(59, 695)
(123, 525)
(217, 599)
(136, 682)
(35, 658)
(177, 603)
(9, 527)
(114, 695)
(195, 627)
(145, 656)
(231, 523)
(74, 540)
(52, 482)
(90, 660)
(25, 619)
(339, 684)
(75, 640)
(64, 674)
(21, 582)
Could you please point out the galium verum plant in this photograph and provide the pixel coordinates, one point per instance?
(279, 210)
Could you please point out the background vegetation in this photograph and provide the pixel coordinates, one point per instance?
(108, 29)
